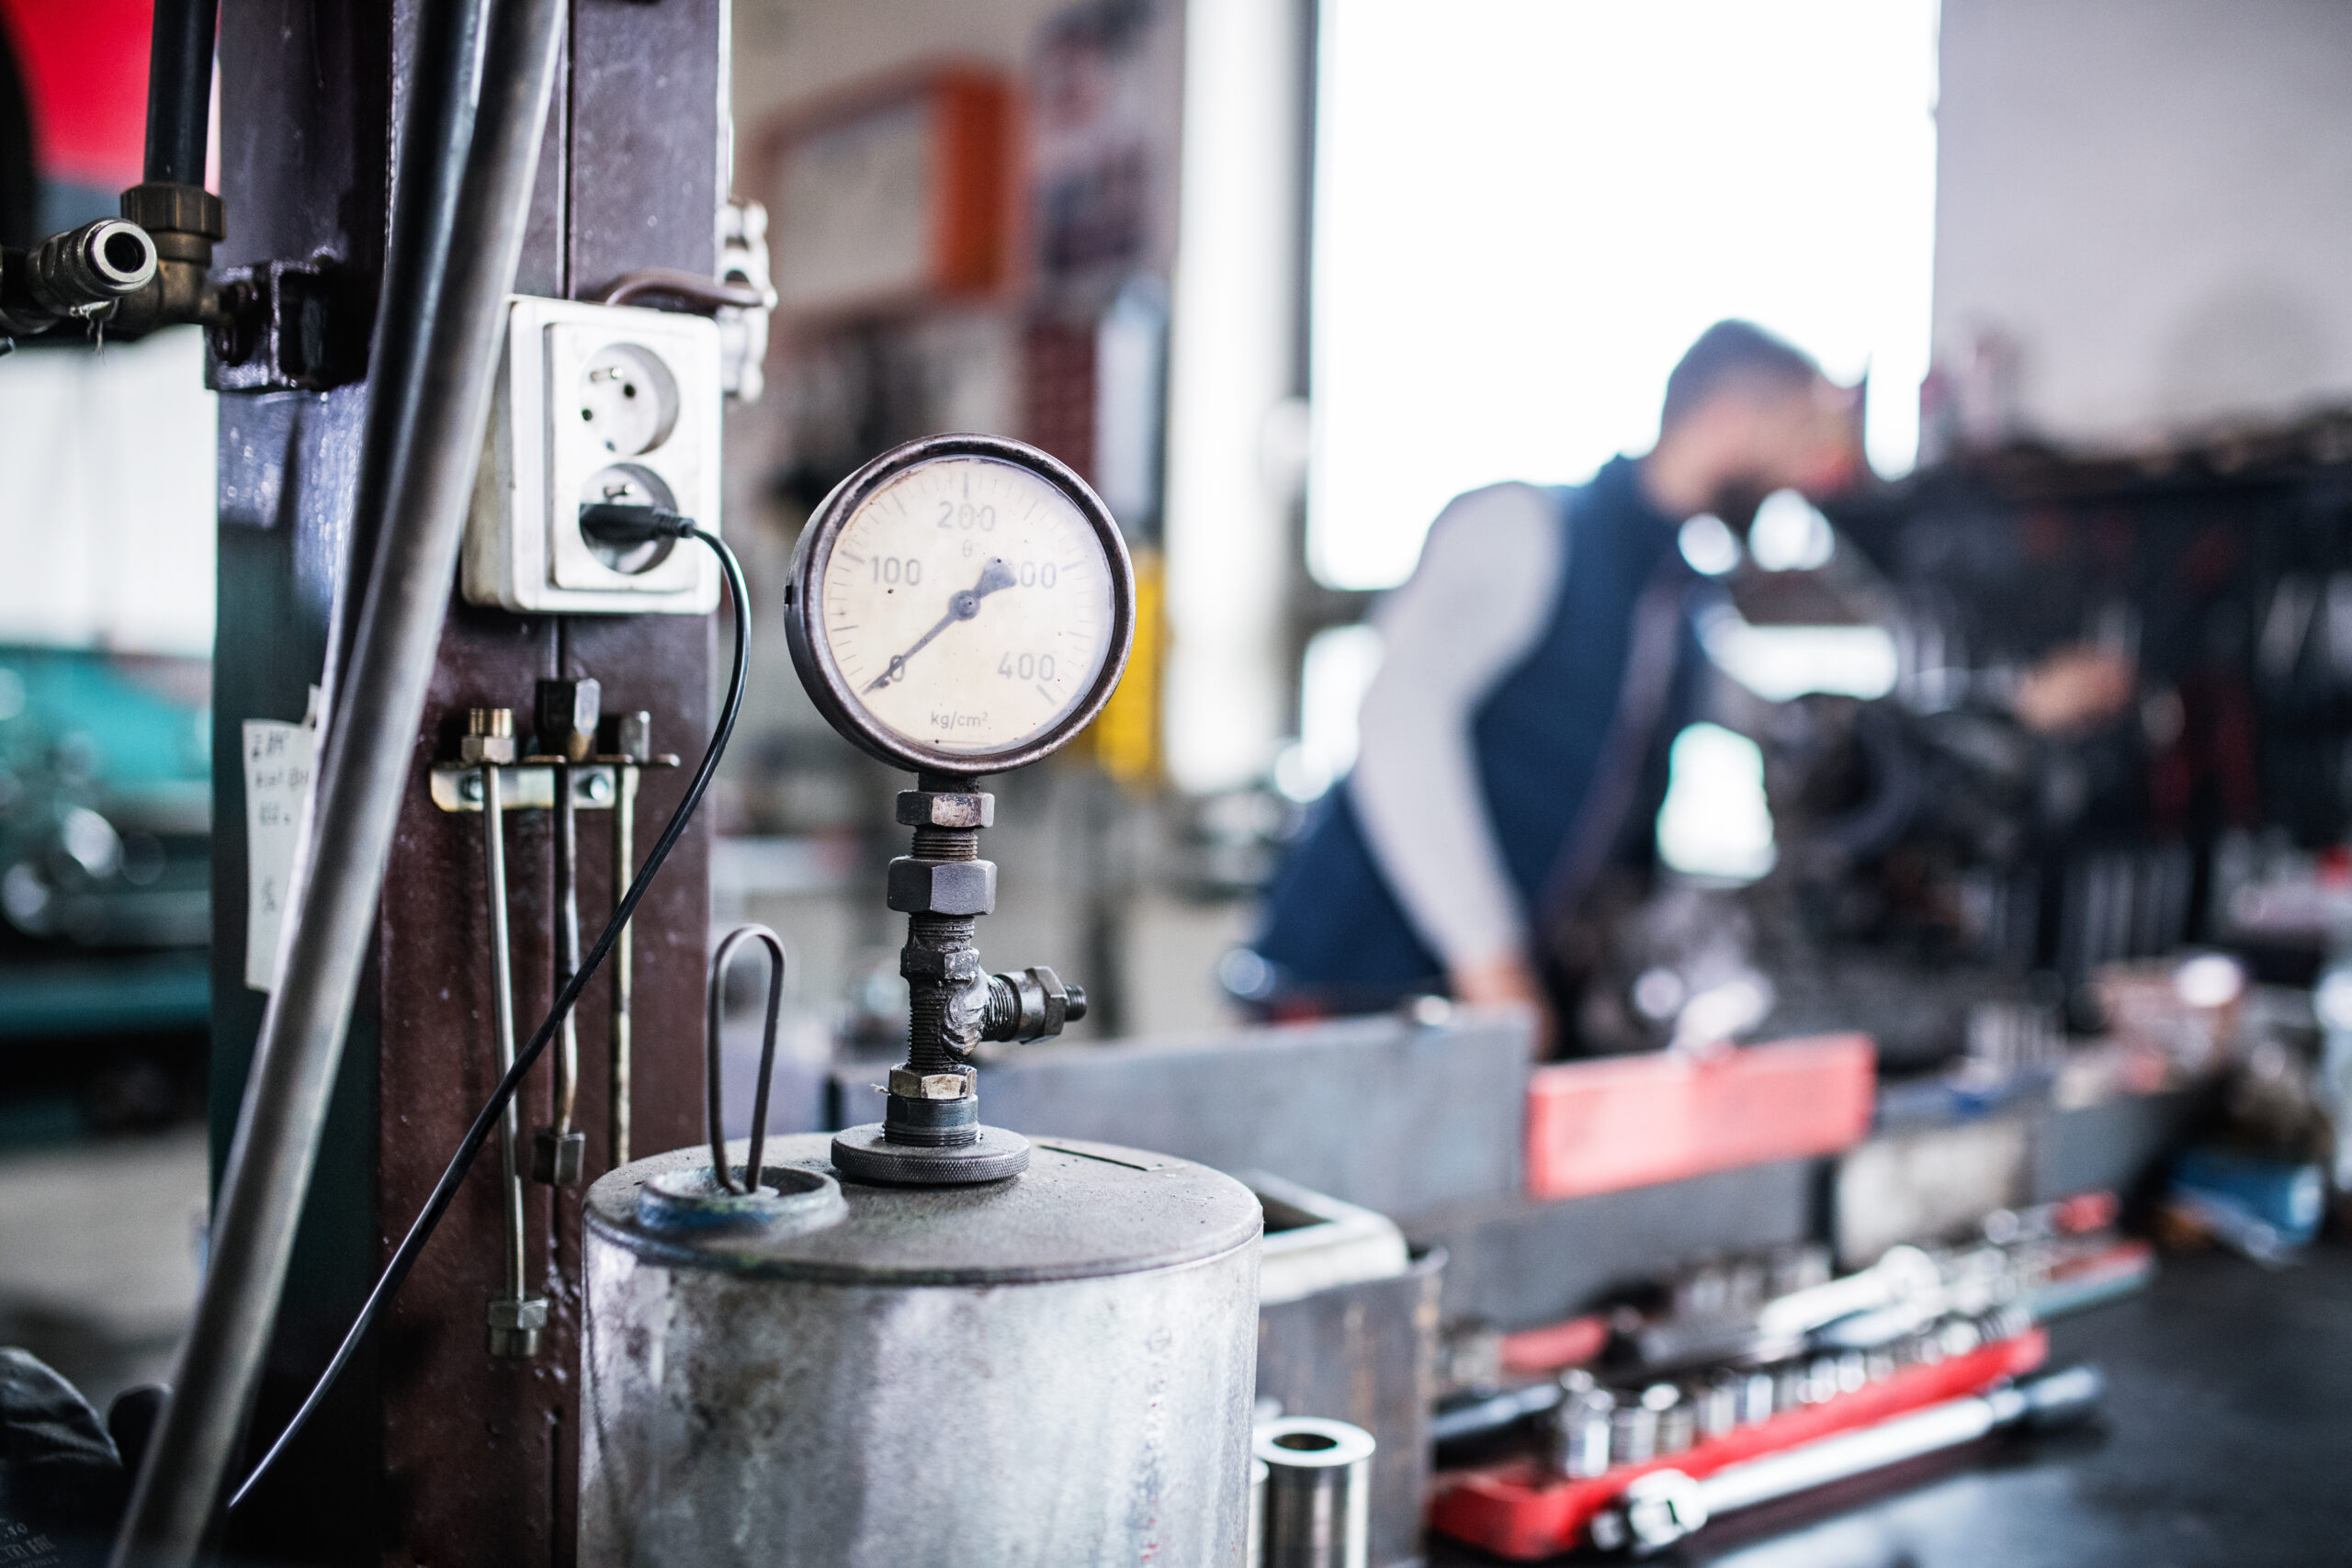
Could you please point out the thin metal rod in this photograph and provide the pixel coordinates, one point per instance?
(459, 211)
(624, 965)
(715, 1120)
(502, 990)
(567, 943)
(179, 90)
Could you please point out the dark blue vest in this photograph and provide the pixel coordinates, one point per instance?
(1334, 934)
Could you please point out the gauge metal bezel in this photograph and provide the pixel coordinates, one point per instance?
(813, 658)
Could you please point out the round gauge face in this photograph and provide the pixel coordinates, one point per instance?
(967, 606)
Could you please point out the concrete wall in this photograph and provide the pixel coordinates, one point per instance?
(2152, 201)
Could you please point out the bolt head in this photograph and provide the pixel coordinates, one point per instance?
(596, 789)
(568, 711)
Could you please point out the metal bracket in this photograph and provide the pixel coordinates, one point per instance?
(530, 784)
(292, 327)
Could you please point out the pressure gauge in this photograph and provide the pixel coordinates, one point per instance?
(961, 605)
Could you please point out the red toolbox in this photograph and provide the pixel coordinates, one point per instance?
(1622, 1122)
(1519, 1510)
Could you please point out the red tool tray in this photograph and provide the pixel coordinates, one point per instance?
(1620, 1121)
(1519, 1510)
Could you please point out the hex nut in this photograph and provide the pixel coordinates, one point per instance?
(942, 887)
(567, 712)
(937, 809)
(909, 1085)
(628, 735)
(556, 1157)
(956, 966)
(175, 208)
(530, 1313)
(489, 736)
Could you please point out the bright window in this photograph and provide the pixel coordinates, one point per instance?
(1527, 208)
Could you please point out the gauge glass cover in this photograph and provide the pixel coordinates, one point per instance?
(967, 605)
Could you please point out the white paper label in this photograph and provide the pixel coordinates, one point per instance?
(277, 779)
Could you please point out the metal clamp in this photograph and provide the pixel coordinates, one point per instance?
(529, 783)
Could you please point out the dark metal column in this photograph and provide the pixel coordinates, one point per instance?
(481, 1458)
(434, 1452)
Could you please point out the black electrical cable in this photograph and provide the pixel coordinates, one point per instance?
(387, 1285)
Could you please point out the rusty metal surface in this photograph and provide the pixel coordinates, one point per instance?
(804, 1407)
(1366, 1353)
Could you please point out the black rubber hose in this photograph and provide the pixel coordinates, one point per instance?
(179, 90)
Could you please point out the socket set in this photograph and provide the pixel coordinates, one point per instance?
(1605, 1433)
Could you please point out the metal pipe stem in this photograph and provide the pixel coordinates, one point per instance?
(502, 990)
(623, 971)
(567, 944)
(179, 90)
(459, 213)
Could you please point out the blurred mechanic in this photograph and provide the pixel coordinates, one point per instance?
(1532, 663)
(1537, 662)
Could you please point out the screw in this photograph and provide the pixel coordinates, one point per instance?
(596, 789)
(470, 788)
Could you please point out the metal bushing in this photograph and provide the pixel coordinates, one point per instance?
(942, 887)
(931, 1124)
(939, 808)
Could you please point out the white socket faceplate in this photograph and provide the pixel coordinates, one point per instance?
(596, 403)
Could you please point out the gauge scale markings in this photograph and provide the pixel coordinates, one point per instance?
(961, 595)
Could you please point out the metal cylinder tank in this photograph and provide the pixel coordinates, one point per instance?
(1057, 1368)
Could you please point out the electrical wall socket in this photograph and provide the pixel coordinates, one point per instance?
(598, 403)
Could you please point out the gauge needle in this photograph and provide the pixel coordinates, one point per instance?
(962, 606)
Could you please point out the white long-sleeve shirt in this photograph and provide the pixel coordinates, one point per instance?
(1475, 608)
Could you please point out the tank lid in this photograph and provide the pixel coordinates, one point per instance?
(1080, 1211)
